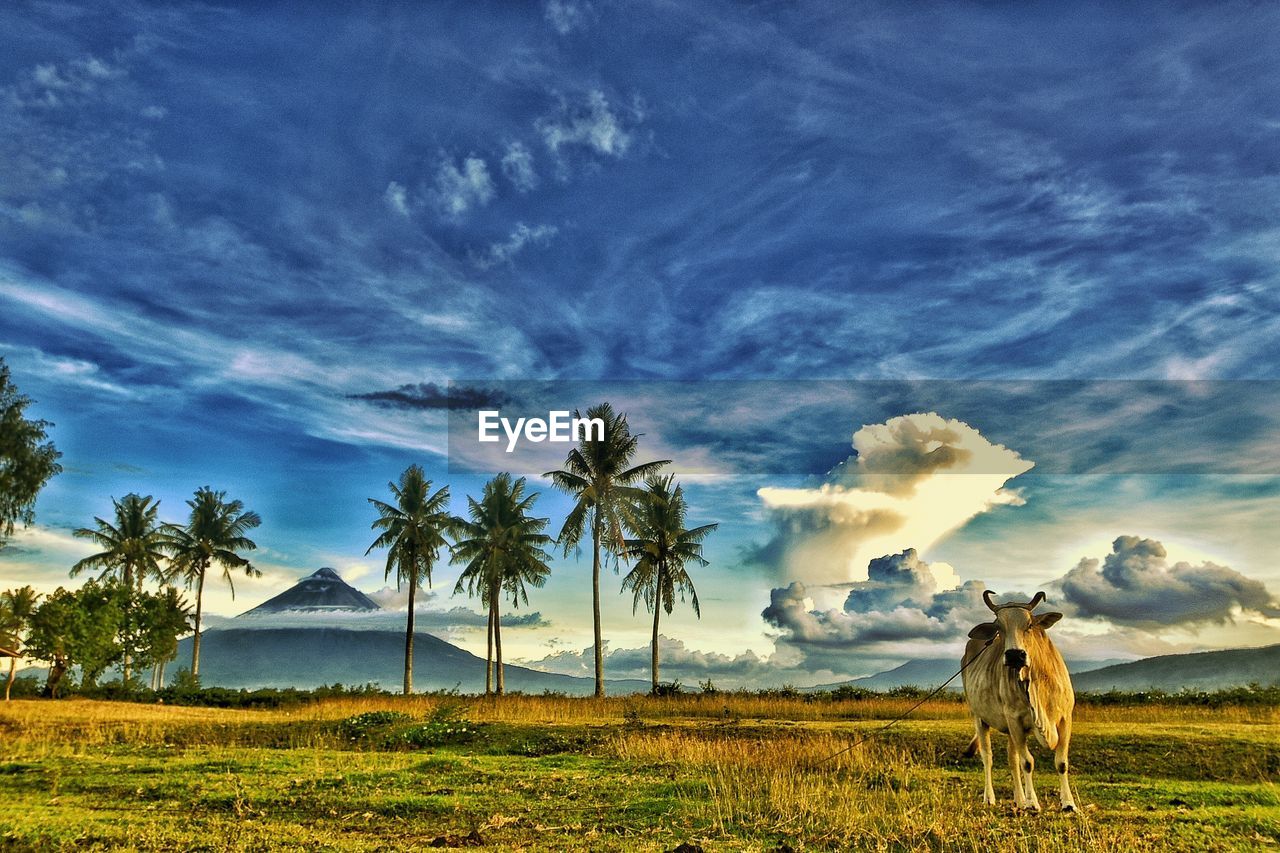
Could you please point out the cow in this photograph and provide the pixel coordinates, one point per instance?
(1016, 682)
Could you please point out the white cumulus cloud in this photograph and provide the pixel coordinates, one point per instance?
(912, 480)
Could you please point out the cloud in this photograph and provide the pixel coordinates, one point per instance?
(897, 579)
(455, 620)
(428, 395)
(565, 16)
(900, 603)
(1135, 585)
(910, 482)
(898, 614)
(460, 188)
(396, 198)
(677, 662)
(52, 85)
(592, 125)
(521, 236)
(517, 166)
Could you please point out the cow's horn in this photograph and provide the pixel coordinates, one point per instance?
(986, 596)
(1039, 597)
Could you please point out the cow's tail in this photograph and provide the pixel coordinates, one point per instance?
(972, 749)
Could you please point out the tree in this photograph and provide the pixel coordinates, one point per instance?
(662, 548)
(132, 550)
(502, 546)
(27, 458)
(597, 476)
(413, 531)
(81, 628)
(162, 618)
(16, 609)
(214, 532)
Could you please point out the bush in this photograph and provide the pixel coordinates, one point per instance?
(363, 726)
(446, 726)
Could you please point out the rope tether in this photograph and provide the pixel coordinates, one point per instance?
(963, 666)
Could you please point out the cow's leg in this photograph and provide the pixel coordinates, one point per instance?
(1061, 764)
(1015, 767)
(1023, 764)
(983, 732)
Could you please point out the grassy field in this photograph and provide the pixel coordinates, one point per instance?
(534, 773)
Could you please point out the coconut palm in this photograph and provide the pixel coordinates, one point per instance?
(413, 531)
(502, 546)
(599, 475)
(132, 548)
(662, 548)
(214, 532)
(16, 607)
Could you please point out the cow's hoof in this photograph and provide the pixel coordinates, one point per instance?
(1069, 809)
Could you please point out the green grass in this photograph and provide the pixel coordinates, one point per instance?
(621, 775)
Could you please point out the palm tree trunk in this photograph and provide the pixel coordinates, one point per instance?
(488, 657)
(497, 646)
(54, 681)
(595, 603)
(13, 663)
(657, 611)
(128, 586)
(195, 641)
(408, 639)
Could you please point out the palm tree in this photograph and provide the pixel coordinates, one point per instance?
(16, 607)
(503, 549)
(214, 532)
(597, 475)
(662, 548)
(413, 531)
(132, 548)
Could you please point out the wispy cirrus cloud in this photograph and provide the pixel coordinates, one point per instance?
(462, 186)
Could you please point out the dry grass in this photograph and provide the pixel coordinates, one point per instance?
(90, 722)
(730, 772)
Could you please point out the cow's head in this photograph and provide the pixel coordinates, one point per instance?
(1012, 622)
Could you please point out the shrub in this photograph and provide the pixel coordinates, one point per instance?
(444, 727)
(363, 726)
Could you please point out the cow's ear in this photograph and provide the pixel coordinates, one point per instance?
(1046, 620)
(985, 631)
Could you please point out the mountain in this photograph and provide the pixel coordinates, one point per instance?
(1198, 671)
(306, 657)
(321, 591)
(931, 672)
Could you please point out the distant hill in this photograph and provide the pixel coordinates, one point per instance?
(308, 657)
(930, 672)
(1198, 671)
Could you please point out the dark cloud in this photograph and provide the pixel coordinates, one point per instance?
(428, 395)
(1136, 585)
(897, 612)
(892, 581)
(899, 602)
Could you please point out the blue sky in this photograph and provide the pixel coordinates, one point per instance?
(223, 228)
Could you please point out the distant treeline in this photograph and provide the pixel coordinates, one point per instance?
(187, 692)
